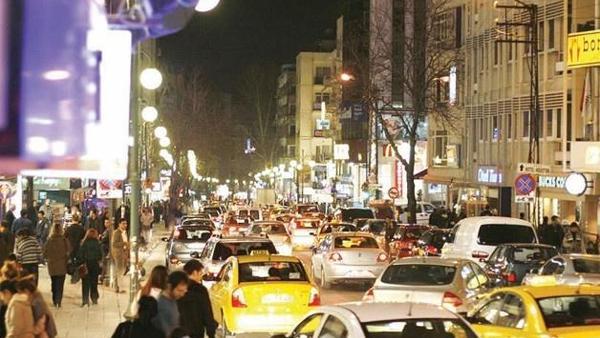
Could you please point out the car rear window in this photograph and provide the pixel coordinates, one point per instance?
(418, 328)
(255, 214)
(409, 233)
(348, 215)
(202, 234)
(224, 250)
(583, 265)
(496, 234)
(271, 271)
(532, 254)
(564, 311)
(271, 228)
(354, 242)
(306, 224)
(418, 274)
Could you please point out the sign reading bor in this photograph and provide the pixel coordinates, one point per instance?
(583, 49)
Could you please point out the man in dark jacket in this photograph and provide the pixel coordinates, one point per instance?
(22, 222)
(42, 228)
(74, 234)
(553, 234)
(7, 241)
(194, 308)
(94, 222)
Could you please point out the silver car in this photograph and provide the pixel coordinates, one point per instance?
(455, 284)
(275, 231)
(572, 269)
(185, 242)
(365, 319)
(348, 257)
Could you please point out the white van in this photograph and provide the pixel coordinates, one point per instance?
(476, 237)
(424, 210)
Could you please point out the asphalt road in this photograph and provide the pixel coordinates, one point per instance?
(336, 294)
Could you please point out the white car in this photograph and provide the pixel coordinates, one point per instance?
(476, 238)
(275, 231)
(455, 284)
(303, 231)
(348, 257)
(381, 320)
(424, 210)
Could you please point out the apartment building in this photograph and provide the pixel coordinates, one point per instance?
(286, 112)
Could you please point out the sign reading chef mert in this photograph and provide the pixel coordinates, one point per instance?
(555, 182)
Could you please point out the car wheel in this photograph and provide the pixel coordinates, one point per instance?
(324, 283)
(224, 330)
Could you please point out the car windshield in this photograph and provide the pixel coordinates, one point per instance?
(270, 228)
(583, 265)
(307, 208)
(377, 226)
(496, 234)
(419, 274)
(243, 213)
(420, 328)
(409, 233)
(255, 214)
(224, 250)
(348, 215)
(202, 234)
(355, 242)
(579, 310)
(212, 211)
(198, 222)
(271, 271)
(525, 255)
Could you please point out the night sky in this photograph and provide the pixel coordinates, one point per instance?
(239, 33)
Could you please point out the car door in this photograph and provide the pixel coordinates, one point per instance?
(219, 291)
(449, 248)
(512, 318)
(479, 284)
(320, 252)
(484, 319)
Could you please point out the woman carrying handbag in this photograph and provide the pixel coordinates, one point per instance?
(56, 252)
(89, 256)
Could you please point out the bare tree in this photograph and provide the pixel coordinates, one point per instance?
(426, 56)
(257, 90)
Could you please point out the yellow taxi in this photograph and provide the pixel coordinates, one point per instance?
(551, 311)
(262, 293)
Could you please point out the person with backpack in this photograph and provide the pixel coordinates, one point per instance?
(90, 256)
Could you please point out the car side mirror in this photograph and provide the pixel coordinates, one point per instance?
(165, 239)
(195, 254)
(209, 278)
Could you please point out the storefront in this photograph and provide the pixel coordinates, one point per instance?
(554, 199)
(493, 192)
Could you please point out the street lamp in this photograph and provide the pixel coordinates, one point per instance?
(345, 77)
(160, 132)
(206, 5)
(164, 142)
(151, 78)
(149, 114)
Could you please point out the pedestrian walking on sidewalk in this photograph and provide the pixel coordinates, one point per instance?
(90, 255)
(7, 241)
(19, 315)
(146, 220)
(168, 318)
(28, 252)
(44, 324)
(74, 234)
(23, 222)
(119, 251)
(56, 253)
(42, 228)
(155, 284)
(195, 308)
(142, 326)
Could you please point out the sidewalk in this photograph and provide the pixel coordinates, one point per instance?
(96, 321)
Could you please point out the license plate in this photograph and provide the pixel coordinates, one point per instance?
(273, 298)
(359, 273)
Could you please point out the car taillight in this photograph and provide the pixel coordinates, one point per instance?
(510, 277)
(369, 296)
(451, 299)
(237, 299)
(315, 298)
(176, 233)
(335, 257)
(382, 257)
(479, 254)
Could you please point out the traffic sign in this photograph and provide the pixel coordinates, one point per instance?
(525, 184)
(393, 193)
(583, 49)
(534, 168)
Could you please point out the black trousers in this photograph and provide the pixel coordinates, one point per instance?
(31, 269)
(58, 285)
(89, 283)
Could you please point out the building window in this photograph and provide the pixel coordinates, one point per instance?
(322, 97)
(497, 52)
(541, 36)
(292, 130)
(292, 109)
(549, 124)
(551, 34)
(473, 135)
(509, 126)
(291, 151)
(439, 147)
(495, 129)
(481, 129)
(558, 123)
(510, 51)
(321, 73)
(525, 124)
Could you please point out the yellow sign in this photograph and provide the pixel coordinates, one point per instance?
(583, 49)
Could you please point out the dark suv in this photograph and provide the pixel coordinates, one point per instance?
(509, 263)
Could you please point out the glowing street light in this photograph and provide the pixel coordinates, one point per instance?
(206, 5)
(346, 77)
(164, 142)
(160, 132)
(149, 114)
(151, 78)
(293, 163)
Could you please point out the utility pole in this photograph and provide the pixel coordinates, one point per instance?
(528, 20)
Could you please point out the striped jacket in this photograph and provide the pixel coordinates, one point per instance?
(28, 250)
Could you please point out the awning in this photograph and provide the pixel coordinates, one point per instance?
(420, 175)
(447, 181)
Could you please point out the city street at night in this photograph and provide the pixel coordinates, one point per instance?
(299, 168)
